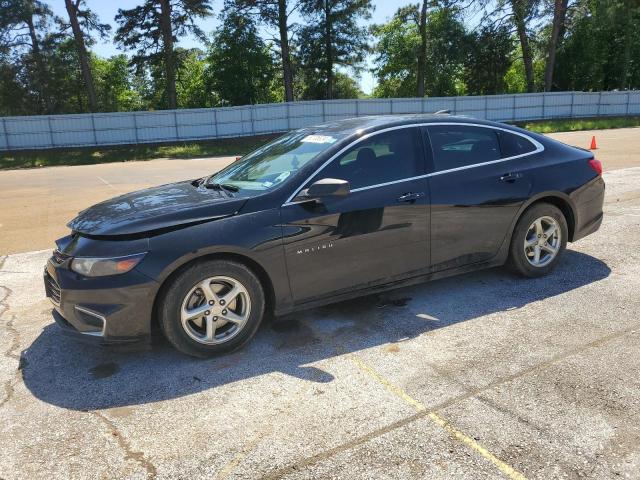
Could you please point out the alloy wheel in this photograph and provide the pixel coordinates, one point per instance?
(215, 310)
(542, 241)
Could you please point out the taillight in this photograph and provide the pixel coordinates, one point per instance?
(596, 165)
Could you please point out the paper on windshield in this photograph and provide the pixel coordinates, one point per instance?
(318, 139)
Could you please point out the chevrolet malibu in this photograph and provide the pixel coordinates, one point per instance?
(319, 215)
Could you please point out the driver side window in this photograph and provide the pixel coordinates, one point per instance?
(382, 158)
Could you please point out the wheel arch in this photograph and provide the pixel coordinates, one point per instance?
(560, 200)
(240, 257)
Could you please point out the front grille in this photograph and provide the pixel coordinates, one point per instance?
(52, 288)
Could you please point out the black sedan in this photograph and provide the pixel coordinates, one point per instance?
(319, 215)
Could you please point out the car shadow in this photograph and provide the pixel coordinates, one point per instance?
(67, 373)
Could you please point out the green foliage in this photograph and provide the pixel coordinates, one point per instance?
(601, 50)
(446, 42)
(115, 84)
(25, 32)
(395, 54)
(240, 68)
(397, 50)
(191, 85)
(489, 60)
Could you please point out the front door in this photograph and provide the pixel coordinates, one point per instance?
(377, 234)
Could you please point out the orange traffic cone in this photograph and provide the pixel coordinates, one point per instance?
(593, 143)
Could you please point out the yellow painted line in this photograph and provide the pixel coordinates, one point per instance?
(240, 456)
(505, 468)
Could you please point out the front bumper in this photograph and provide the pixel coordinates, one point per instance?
(114, 309)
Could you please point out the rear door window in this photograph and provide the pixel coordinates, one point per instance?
(456, 146)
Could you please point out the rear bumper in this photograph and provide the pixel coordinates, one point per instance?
(105, 310)
(588, 201)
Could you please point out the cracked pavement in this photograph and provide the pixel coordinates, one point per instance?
(479, 376)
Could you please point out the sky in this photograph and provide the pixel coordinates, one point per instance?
(107, 9)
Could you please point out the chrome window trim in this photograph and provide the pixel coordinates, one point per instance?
(538, 145)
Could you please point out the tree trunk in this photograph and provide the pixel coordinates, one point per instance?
(521, 27)
(285, 54)
(329, 48)
(42, 72)
(559, 15)
(87, 76)
(169, 54)
(422, 54)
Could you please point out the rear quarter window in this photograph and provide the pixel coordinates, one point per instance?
(513, 145)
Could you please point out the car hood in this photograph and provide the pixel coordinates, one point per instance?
(158, 208)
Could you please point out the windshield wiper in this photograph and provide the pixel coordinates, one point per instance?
(222, 186)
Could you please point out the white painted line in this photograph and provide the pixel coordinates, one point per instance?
(107, 183)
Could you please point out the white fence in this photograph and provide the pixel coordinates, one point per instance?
(122, 128)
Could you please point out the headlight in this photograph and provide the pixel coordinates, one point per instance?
(100, 267)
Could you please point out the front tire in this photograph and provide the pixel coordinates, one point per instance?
(538, 241)
(211, 308)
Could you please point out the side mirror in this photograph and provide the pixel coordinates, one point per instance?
(327, 187)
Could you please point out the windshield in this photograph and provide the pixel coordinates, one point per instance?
(273, 163)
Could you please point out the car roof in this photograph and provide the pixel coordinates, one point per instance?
(350, 126)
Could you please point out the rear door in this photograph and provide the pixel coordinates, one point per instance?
(377, 234)
(476, 190)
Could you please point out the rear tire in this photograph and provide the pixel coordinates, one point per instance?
(538, 241)
(211, 308)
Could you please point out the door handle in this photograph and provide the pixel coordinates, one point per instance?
(410, 197)
(510, 177)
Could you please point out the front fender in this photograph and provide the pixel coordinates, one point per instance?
(255, 238)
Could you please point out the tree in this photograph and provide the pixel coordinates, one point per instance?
(446, 47)
(14, 98)
(558, 24)
(521, 12)
(116, 88)
(599, 50)
(153, 27)
(396, 51)
(239, 66)
(488, 60)
(399, 46)
(191, 86)
(422, 54)
(24, 24)
(277, 14)
(631, 14)
(64, 83)
(82, 22)
(332, 37)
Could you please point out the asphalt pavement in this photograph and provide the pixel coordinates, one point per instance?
(485, 375)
